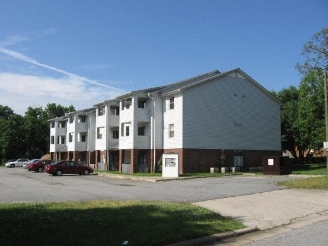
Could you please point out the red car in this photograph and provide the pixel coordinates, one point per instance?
(67, 167)
(39, 165)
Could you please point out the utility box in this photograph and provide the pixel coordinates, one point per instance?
(276, 165)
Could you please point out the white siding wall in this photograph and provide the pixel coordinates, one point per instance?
(126, 119)
(172, 116)
(112, 122)
(91, 138)
(71, 129)
(230, 113)
(101, 122)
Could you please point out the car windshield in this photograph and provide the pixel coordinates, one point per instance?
(56, 162)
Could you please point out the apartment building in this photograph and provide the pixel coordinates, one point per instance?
(212, 120)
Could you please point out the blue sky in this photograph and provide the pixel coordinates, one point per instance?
(85, 52)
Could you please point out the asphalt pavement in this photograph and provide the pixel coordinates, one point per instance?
(271, 212)
(254, 201)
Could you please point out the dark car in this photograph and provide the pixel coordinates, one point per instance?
(67, 167)
(39, 165)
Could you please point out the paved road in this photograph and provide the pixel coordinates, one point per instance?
(17, 184)
(253, 200)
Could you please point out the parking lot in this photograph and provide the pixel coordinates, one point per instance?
(20, 185)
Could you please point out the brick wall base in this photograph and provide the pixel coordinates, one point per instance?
(201, 160)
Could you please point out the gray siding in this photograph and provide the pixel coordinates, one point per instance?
(230, 113)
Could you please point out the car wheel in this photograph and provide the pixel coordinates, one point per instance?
(12, 165)
(59, 172)
(40, 169)
(86, 172)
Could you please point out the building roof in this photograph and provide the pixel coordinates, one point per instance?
(178, 86)
(195, 81)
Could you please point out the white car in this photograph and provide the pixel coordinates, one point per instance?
(17, 163)
(25, 164)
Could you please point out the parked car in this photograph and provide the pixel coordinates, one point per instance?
(67, 167)
(25, 164)
(17, 163)
(11, 160)
(38, 166)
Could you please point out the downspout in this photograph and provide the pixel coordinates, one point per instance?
(153, 141)
(107, 137)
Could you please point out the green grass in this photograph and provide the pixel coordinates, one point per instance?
(217, 174)
(107, 223)
(308, 183)
(320, 182)
(310, 169)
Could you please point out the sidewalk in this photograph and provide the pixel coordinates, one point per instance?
(270, 209)
(272, 212)
(285, 209)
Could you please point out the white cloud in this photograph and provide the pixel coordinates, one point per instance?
(11, 40)
(20, 91)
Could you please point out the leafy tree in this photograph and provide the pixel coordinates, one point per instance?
(37, 132)
(311, 112)
(12, 138)
(5, 112)
(289, 115)
(28, 135)
(53, 110)
(315, 52)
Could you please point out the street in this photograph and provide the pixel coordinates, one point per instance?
(18, 184)
(285, 216)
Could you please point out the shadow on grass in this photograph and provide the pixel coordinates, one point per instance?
(107, 223)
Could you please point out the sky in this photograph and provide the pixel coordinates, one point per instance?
(85, 52)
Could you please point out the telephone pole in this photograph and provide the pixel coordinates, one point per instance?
(326, 110)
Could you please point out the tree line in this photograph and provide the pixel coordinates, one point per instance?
(27, 136)
(302, 113)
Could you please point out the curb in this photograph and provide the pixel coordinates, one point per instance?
(215, 237)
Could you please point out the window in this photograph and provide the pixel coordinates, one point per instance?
(71, 119)
(83, 138)
(52, 140)
(172, 103)
(115, 134)
(100, 132)
(61, 140)
(101, 110)
(70, 137)
(127, 131)
(171, 130)
(53, 124)
(61, 124)
(115, 110)
(127, 104)
(141, 131)
(82, 119)
(142, 104)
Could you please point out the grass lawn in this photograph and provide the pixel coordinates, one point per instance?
(107, 223)
(311, 182)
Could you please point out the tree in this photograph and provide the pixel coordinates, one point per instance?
(311, 112)
(5, 112)
(315, 52)
(53, 110)
(28, 135)
(289, 115)
(12, 138)
(37, 132)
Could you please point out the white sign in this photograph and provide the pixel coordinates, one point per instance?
(270, 162)
(170, 165)
(325, 145)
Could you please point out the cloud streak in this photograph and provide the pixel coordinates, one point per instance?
(32, 61)
(21, 91)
